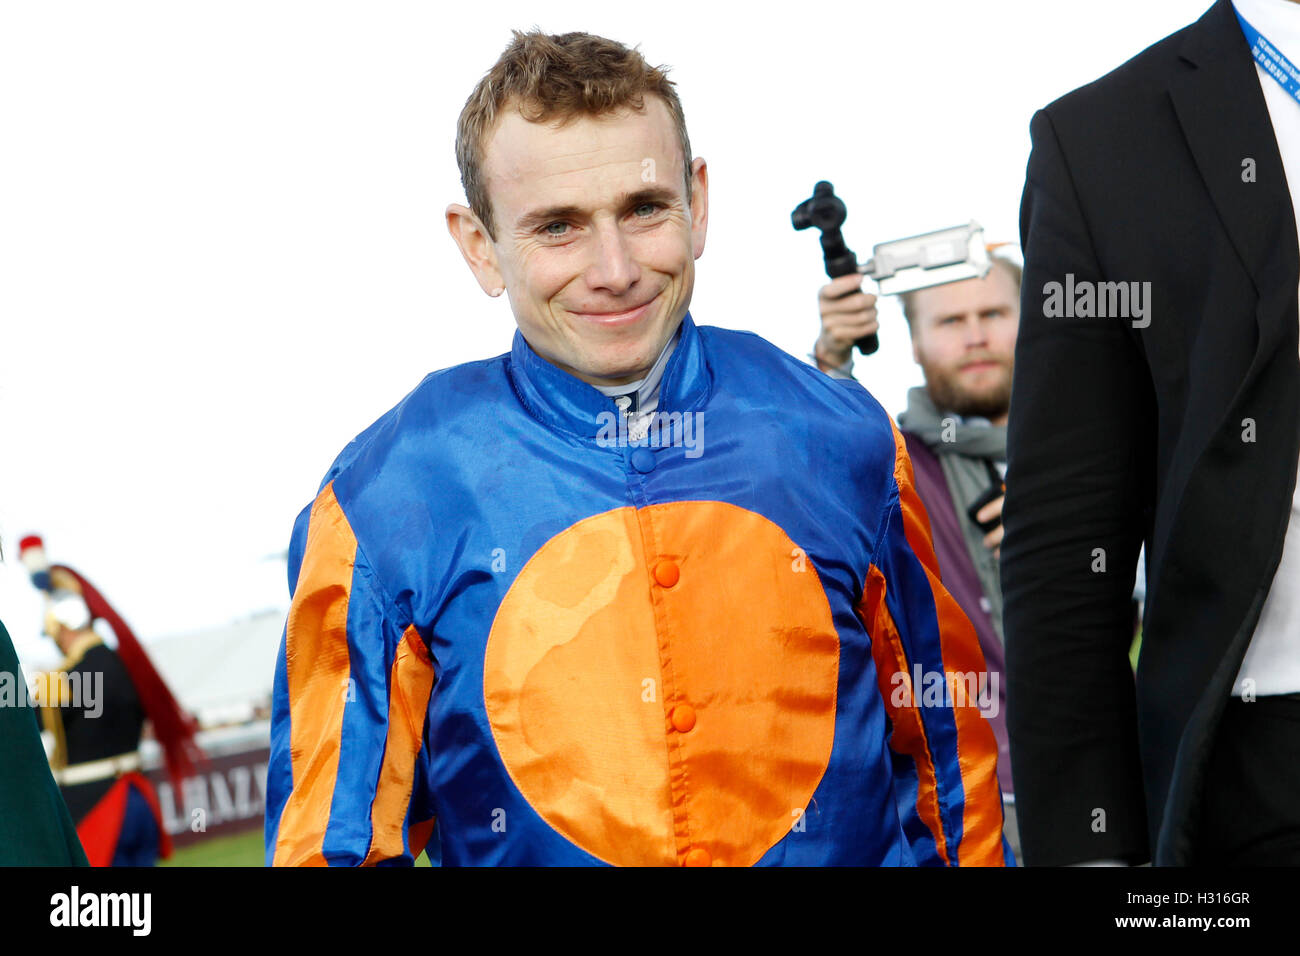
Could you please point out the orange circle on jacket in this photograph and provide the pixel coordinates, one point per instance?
(587, 656)
(682, 718)
(667, 573)
(697, 856)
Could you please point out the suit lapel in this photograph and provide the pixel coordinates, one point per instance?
(1216, 97)
(1225, 120)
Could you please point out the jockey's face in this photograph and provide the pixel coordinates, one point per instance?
(596, 239)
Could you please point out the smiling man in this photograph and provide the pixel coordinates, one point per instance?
(597, 256)
(519, 638)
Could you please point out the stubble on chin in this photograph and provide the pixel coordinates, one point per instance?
(949, 396)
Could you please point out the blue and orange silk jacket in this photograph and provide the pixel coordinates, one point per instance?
(564, 647)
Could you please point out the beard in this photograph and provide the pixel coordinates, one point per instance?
(948, 394)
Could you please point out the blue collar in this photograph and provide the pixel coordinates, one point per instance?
(562, 401)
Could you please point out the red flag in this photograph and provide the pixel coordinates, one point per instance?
(174, 728)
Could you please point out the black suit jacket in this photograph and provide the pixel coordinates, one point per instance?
(1120, 435)
(114, 731)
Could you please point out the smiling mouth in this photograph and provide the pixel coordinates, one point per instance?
(625, 317)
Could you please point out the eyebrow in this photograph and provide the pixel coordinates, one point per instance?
(541, 217)
(983, 310)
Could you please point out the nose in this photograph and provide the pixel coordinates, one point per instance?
(976, 333)
(612, 268)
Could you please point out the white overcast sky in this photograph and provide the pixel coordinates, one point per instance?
(222, 251)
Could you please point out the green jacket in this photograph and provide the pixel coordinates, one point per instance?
(35, 826)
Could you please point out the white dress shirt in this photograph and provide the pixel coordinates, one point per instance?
(1272, 662)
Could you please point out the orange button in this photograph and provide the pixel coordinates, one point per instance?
(667, 573)
(682, 717)
(697, 856)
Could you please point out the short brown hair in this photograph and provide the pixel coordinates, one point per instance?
(908, 299)
(549, 77)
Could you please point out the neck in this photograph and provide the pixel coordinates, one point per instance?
(647, 380)
(67, 640)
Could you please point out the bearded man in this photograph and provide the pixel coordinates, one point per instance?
(964, 339)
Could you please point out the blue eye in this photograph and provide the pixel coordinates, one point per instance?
(550, 230)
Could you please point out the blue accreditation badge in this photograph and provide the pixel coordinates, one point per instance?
(1270, 58)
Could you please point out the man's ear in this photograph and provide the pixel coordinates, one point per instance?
(699, 205)
(471, 236)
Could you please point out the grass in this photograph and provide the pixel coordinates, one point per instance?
(239, 849)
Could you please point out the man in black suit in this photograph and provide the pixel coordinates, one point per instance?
(1157, 399)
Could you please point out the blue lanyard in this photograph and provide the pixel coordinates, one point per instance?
(1270, 58)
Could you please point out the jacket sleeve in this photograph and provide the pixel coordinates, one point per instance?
(35, 827)
(1080, 435)
(933, 679)
(349, 710)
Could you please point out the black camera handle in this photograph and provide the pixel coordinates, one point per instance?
(995, 490)
(827, 212)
